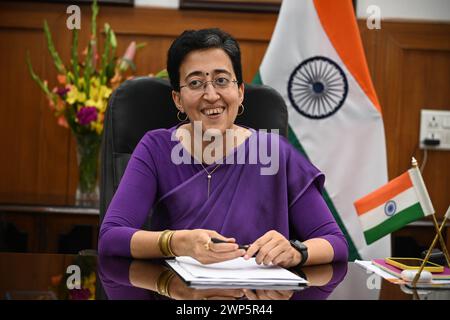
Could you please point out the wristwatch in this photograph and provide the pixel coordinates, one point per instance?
(302, 248)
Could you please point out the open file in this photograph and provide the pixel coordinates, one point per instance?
(234, 273)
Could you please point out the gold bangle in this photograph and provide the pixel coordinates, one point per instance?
(164, 243)
(162, 285)
(169, 244)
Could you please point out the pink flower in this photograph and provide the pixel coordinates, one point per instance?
(130, 52)
(63, 122)
(86, 115)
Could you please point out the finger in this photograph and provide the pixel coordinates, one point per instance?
(261, 294)
(274, 252)
(255, 246)
(214, 234)
(250, 294)
(283, 259)
(265, 249)
(223, 247)
(276, 295)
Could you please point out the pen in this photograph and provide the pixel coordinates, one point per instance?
(215, 240)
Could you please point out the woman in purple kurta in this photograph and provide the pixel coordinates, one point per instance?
(243, 204)
(238, 204)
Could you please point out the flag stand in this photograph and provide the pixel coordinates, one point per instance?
(436, 238)
(444, 248)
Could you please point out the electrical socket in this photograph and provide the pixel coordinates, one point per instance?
(434, 129)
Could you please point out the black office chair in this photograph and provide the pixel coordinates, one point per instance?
(145, 103)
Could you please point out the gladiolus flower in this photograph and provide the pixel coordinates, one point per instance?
(61, 79)
(62, 122)
(86, 115)
(130, 52)
(128, 56)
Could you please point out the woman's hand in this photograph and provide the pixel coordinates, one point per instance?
(178, 290)
(198, 245)
(268, 294)
(274, 248)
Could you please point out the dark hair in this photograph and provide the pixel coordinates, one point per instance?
(191, 40)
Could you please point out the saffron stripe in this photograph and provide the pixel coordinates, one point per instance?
(383, 194)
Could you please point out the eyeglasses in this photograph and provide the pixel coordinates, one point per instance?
(199, 85)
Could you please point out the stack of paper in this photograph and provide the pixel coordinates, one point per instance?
(234, 273)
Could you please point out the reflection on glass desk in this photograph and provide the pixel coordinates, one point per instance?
(87, 276)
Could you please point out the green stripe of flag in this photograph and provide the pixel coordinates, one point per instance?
(394, 223)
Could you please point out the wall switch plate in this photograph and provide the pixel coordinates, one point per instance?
(434, 129)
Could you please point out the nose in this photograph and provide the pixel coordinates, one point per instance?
(210, 93)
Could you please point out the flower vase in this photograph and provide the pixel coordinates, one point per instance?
(88, 147)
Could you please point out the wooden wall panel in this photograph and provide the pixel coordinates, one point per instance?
(409, 63)
(410, 67)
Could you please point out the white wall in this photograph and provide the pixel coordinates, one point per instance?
(157, 3)
(434, 10)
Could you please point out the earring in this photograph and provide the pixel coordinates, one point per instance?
(178, 116)
(241, 112)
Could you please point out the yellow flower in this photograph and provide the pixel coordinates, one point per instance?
(75, 96)
(94, 103)
(97, 126)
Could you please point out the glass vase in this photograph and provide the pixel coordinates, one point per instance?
(88, 147)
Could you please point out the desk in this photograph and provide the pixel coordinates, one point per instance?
(43, 276)
(38, 227)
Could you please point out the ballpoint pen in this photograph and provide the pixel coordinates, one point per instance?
(215, 240)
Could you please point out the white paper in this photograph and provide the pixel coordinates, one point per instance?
(233, 273)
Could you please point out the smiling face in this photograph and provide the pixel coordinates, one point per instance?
(216, 108)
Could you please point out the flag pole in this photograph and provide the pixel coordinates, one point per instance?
(441, 240)
(436, 225)
(416, 278)
(437, 236)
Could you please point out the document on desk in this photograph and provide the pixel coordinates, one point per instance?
(234, 273)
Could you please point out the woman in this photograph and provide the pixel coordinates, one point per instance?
(208, 208)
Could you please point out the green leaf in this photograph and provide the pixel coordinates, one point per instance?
(104, 75)
(113, 40)
(94, 19)
(140, 45)
(125, 63)
(74, 56)
(51, 48)
(163, 74)
(50, 95)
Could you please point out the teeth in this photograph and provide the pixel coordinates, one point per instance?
(209, 112)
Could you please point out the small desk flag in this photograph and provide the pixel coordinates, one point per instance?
(394, 205)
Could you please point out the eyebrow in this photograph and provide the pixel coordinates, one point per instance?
(200, 73)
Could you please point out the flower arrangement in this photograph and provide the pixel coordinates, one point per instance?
(80, 98)
(86, 285)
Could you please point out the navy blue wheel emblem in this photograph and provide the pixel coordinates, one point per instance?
(390, 208)
(317, 88)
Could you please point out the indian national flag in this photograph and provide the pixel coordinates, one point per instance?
(401, 201)
(316, 61)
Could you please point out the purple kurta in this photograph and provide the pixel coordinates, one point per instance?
(242, 204)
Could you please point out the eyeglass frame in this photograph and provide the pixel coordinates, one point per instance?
(204, 83)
